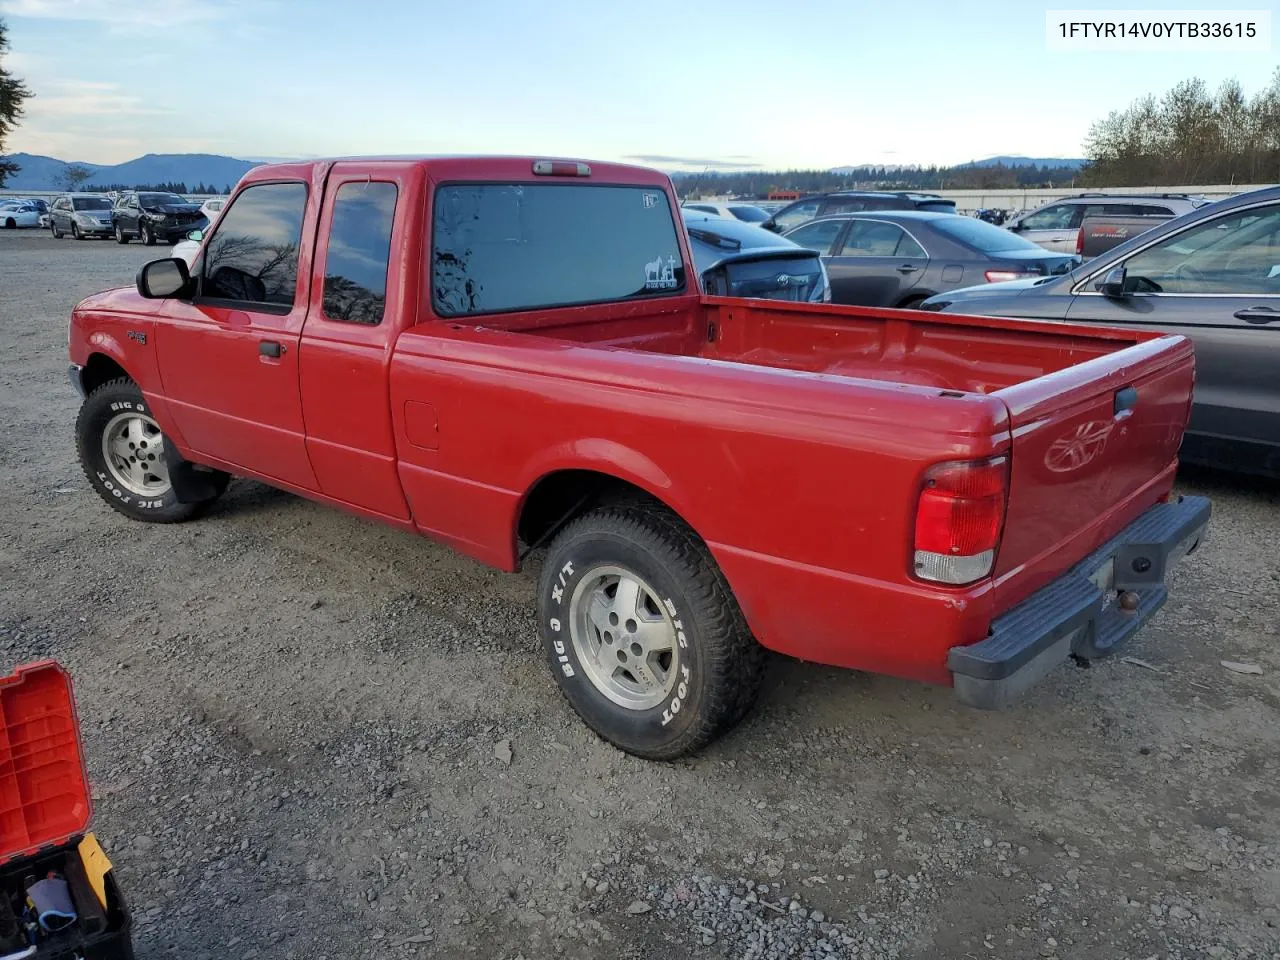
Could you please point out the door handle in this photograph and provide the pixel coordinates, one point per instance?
(907, 268)
(270, 348)
(1258, 314)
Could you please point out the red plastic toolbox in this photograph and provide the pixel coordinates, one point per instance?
(44, 792)
(45, 807)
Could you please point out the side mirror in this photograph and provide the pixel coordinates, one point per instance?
(1113, 284)
(1015, 227)
(772, 224)
(195, 235)
(161, 279)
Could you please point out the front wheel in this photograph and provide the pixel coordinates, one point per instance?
(145, 234)
(642, 633)
(53, 228)
(121, 450)
(121, 236)
(75, 232)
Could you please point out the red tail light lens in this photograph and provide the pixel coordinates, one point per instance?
(1080, 242)
(959, 518)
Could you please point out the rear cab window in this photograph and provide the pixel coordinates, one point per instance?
(506, 247)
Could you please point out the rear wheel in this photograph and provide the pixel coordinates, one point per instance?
(121, 450)
(642, 633)
(10, 223)
(912, 302)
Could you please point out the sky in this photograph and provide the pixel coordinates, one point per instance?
(806, 83)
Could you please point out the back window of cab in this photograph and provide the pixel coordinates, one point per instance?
(507, 247)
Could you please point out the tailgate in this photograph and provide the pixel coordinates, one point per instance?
(1093, 446)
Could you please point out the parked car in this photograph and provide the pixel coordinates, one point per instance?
(735, 259)
(733, 209)
(212, 207)
(83, 215)
(1213, 276)
(508, 353)
(17, 214)
(1098, 234)
(853, 201)
(155, 217)
(1055, 225)
(187, 248)
(898, 258)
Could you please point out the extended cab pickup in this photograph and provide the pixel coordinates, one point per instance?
(507, 354)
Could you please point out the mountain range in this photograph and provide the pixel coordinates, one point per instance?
(48, 173)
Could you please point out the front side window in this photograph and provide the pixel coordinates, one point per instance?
(1051, 218)
(355, 268)
(1236, 254)
(253, 256)
(818, 236)
(795, 215)
(521, 246)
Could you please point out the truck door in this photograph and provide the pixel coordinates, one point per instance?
(229, 357)
(350, 333)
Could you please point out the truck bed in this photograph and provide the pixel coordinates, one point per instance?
(1081, 467)
(943, 351)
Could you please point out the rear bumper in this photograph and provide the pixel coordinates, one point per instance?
(1079, 612)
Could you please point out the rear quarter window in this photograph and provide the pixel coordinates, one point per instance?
(506, 247)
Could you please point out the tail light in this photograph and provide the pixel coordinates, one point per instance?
(959, 519)
(561, 168)
(999, 276)
(1080, 242)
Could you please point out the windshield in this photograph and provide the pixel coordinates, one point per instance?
(749, 214)
(980, 235)
(90, 203)
(159, 199)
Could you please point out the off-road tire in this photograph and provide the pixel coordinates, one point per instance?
(725, 663)
(96, 413)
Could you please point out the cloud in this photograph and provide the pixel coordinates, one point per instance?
(739, 162)
(157, 13)
(86, 98)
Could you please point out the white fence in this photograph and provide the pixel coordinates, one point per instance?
(1015, 199)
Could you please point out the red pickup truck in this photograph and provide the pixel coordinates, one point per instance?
(506, 354)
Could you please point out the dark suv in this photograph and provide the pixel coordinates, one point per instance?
(853, 201)
(152, 216)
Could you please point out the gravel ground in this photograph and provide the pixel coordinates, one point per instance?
(313, 737)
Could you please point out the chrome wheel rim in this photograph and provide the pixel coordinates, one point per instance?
(133, 448)
(623, 638)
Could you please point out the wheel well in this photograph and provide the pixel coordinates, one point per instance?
(99, 370)
(559, 496)
(912, 299)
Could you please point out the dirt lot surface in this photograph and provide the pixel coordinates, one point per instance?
(296, 724)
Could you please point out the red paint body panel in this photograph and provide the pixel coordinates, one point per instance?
(793, 438)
